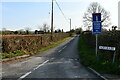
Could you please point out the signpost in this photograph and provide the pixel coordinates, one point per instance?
(96, 16)
(97, 29)
(107, 48)
(110, 49)
(97, 26)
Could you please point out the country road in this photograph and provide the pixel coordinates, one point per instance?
(59, 62)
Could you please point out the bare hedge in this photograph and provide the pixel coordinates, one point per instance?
(112, 39)
(109, 38)
(29, 43)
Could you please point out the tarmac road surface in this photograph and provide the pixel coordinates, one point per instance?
(60, 62)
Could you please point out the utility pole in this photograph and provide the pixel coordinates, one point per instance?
(52, 22)
(70, 24)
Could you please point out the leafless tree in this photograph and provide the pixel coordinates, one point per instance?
(45, 27)
(3, 29)
(96, 8)
(40, 28)
(27, 29)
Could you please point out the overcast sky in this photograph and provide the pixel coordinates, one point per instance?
(19, 14)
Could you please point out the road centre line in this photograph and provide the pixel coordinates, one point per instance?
(32, 70)
(64, 47)
(41, 64)
(38, 65)
(24, 75)
(60, 50)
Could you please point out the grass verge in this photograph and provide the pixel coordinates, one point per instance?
(88, 59)
(52, 46)
(20, 53)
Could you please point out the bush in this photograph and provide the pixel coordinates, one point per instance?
(88, 58)
(109, 38)
(29, 43)
(112, 39)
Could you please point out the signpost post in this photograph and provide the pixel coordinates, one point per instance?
(97, 26)
(110, 49)
(97, 29)
(96, 44)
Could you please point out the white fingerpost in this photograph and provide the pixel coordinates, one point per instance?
(110, 49)
(96, 44)
(114, 57)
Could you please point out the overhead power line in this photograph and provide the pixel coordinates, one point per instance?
(61, 11)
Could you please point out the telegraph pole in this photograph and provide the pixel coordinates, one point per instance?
(52, 22)
(70, 24)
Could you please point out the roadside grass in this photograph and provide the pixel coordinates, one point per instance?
(52, 46)
(88, 59)
(20, 53)
(14, 54)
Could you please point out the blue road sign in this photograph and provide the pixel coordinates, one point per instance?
(96, 16)
(97, 25)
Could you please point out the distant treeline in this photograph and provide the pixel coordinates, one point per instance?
(27, 32)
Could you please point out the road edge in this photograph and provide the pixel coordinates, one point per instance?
(98, 74)
(15, 58)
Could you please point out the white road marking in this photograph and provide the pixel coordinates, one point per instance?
(52, 58)
(32, 70)
(24, 75)
(98, 74)
(59, 50)
(64, 47)
(41, 64)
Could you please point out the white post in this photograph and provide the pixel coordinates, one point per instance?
(96, 44)
(114, 57)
